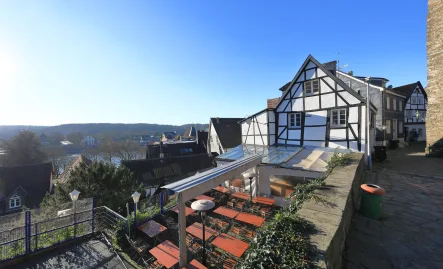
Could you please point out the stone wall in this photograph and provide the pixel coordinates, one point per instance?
(332, 217)
(434, 120)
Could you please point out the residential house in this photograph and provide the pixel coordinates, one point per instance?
(388, 121)
(182, 148)
(154, 172)
(168, 136)
(316, 115)
(64, 177)
(24, 185)
(190, 134)
(415, 109)
(148, 139)
(223, 134)
(89, 141)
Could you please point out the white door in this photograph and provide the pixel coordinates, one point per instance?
(394, 129)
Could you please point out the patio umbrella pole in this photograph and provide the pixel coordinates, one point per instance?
(202, 214)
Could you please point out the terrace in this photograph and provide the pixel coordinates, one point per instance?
(177, 238)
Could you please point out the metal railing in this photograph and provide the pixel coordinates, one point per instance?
(38, 229)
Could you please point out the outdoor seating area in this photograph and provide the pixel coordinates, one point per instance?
(230, 228)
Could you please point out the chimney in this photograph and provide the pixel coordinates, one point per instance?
(218, 120)
(331, 66)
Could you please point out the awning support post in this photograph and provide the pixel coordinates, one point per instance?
(182, 231)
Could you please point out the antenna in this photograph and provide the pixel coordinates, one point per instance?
(338, 62)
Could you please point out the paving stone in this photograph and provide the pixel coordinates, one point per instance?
(410, 233)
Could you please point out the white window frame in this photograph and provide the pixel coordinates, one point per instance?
(400, 105)
(388, 102)
(413, 100)
(339, 113)
(16, 201)
(295, 116)
(311, 90)
(400, 127)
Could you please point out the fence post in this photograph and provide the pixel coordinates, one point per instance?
(92, 214)
(161, 201)
(36, 237)
(28, 231)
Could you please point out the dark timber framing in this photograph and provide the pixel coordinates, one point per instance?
(352, 129)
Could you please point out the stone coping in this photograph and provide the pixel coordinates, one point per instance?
(332, 217)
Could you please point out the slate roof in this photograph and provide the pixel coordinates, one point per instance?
(407, 90)
(228, 131)
(174, 149)
(170, 135)
(34, 179)
(153, 171)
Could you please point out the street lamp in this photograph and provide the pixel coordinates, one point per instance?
(250, 176)
(135, 198)
(383, 127)
(202, 206)
(417, 115)
(74, 197)
(368, 124)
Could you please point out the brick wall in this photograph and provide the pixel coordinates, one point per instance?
(434, 43)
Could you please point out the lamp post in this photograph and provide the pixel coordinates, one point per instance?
(74, 197)
(417, 115)
(368, 124)
(202, 206)
(135, 198)
(383, 127)
(250, 176)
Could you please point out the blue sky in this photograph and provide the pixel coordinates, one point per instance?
(176, 62)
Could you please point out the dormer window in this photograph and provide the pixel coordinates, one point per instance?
(14, 201)
(312, 87)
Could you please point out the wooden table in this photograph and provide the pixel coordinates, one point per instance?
(250, 219)
(194, 264)
(204, 197)
(221, 189)
(241, 195)
(166, 253)
(196, 230)
(224, 211)
(187, 209)
(230, 244)
(151, 228)
(263, 200)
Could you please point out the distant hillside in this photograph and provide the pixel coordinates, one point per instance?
(94, 129)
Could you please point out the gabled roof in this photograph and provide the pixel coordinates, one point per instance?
(190, 132)
(170, 135)
(152, 172)
(328, 73)
(80, 159)
(34, 179)
(272, 103)
(228, 131)
(407, 90)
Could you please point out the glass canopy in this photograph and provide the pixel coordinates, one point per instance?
(270, 155)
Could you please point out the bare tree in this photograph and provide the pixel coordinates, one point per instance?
(59, 160)
(92, 153)
(129, 150)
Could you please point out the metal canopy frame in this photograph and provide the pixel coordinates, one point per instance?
(191, 187)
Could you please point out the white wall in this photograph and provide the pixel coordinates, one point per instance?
(257, 126)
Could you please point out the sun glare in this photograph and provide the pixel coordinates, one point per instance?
(8, 65)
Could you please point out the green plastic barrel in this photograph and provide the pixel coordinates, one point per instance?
(371, 200)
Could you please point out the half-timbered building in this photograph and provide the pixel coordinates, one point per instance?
(298, 133)
(414, 109)
(316, 109)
